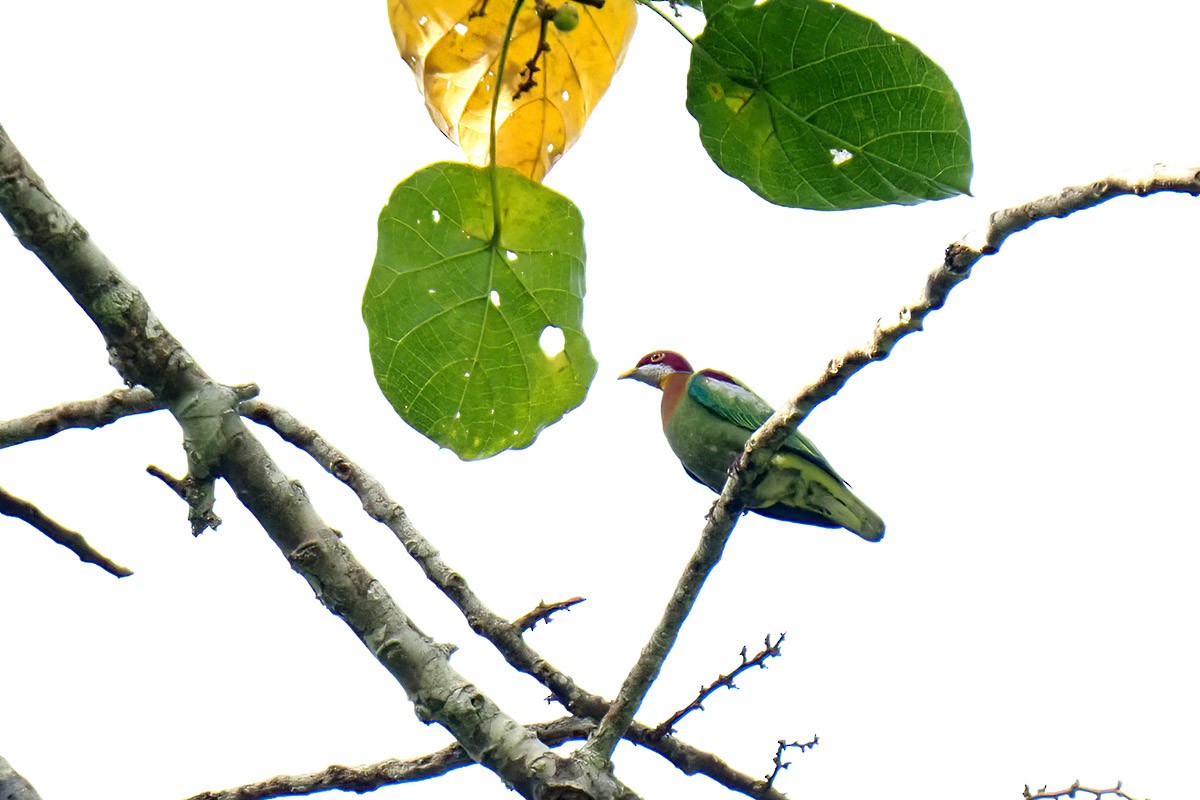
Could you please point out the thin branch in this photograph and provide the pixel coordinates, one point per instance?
(200, 497)
(724, 681)
(780, 764)
(1073, 791)
(956, 266)
(543, 612)
(960, 257)
(545, 13)
(668, 18)
(25, 511)
(369, 777)
(721, 520)
(504, 635)
(94, 413)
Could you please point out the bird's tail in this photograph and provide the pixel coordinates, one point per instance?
(854, 515)
(802, 492)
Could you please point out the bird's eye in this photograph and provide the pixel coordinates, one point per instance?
(656, 357)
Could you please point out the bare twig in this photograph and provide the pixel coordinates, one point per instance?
(545, 13)
(543, 612)
(369, 777)
(956, 266)
(723, 681)
(780, 764)
(17, 508)
(1073, 790)
(198, 495)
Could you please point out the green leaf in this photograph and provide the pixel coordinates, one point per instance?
(812, 105)
(455, 314)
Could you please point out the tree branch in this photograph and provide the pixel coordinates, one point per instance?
(542, 613)
(505, 636)
(1073, 790)
(94, 413)
(13, 786)
(17, 508)
(779, 764)
(960, 257)
(218, 444)
(369, 777)
(723, 681)
(956, 266)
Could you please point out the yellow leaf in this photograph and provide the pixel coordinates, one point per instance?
(454, 50)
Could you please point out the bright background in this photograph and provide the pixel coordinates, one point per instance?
(1028, 619)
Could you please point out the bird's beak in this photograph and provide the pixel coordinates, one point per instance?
(629, 373)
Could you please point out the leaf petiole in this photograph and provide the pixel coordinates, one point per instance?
(492, 171)
(670, 20)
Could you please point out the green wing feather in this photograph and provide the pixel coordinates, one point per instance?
(734, 402)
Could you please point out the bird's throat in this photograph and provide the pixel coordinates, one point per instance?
(673, 388)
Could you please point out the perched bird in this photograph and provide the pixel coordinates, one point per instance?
(708, 416)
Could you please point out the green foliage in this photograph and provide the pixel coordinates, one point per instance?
(455, 310)
(806, 102)
(812, 105)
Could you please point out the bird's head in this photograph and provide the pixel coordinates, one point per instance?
(655, 367)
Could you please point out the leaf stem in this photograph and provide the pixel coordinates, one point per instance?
(669, 19)
(493, 174)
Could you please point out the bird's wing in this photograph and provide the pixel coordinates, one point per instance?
(732, 401)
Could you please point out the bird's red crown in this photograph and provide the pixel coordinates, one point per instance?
(668, 358)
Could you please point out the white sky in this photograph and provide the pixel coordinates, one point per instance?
(1027, 619)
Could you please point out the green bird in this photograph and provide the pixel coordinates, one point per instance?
(708, 416)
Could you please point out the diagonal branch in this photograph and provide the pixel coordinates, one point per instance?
(956, 266)
(723, 681)
(392, 771)
(17, 508)
(543, 612)
(13, 786)
(505, 636)
(218, 444)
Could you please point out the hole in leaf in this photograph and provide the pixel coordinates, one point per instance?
(495, 298)
(458, 415)
(566, 95)
(840, 156)
(460, 29)
(437, 215)
(552, 341)
(424, 19)
(510, 255)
